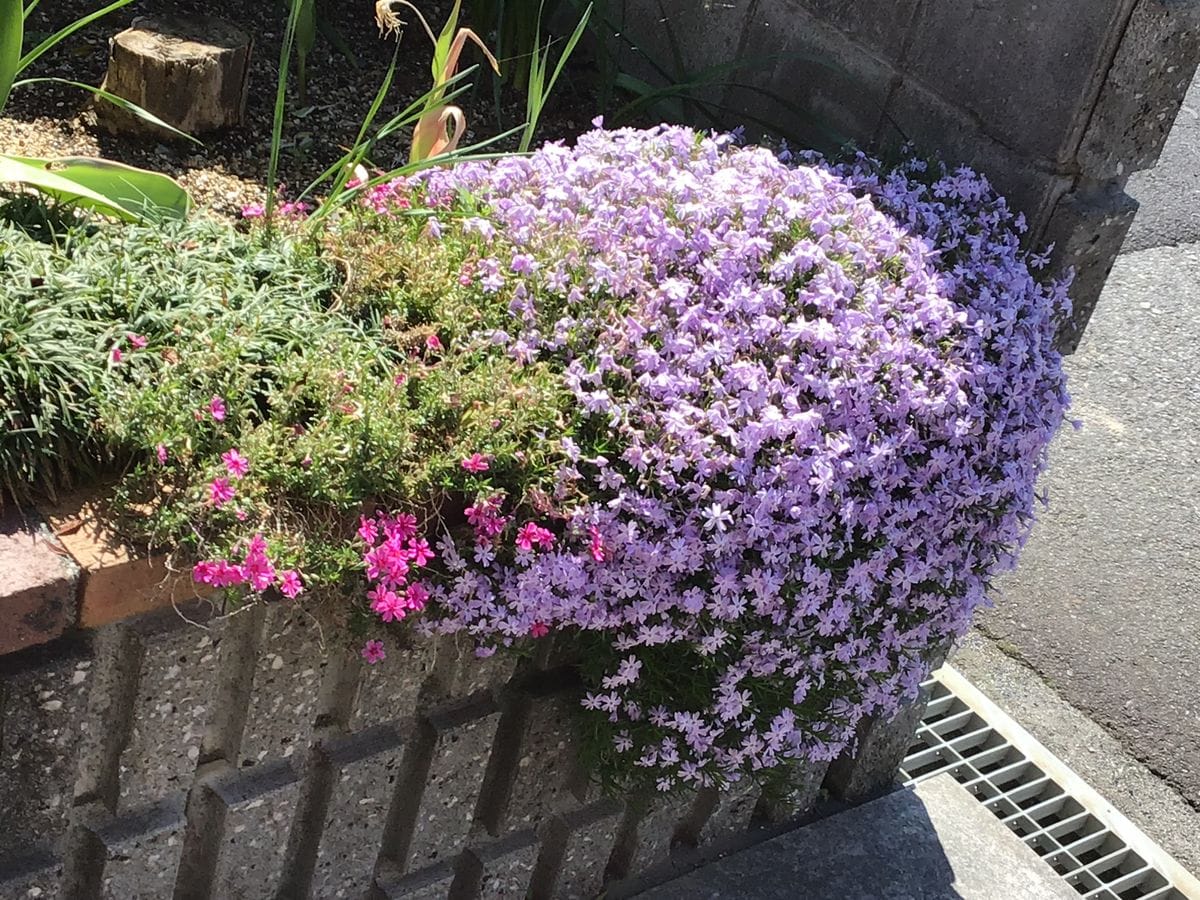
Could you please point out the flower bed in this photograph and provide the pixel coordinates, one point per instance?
(754, 437)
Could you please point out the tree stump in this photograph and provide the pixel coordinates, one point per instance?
(191, 73)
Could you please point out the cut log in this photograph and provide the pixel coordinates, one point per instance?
(191, 73)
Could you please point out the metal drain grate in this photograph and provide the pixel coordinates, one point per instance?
(1099, 852)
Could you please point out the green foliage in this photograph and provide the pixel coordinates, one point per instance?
(516, 30)
(370, 394)
(539, 87)
(70, 292)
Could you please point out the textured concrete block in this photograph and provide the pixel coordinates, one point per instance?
(794, 796)
(174, 700)
(38, 582)
(260, 804)
(702, 34)
(1030, 185)
(548, 775)
(1088, 227)
(575, 854)
(368, 766)
(388, 691)
(287, 680)
(35, 874)
(971, 54)
(142, 851)
(1143, 89)
(884, 29)
(809, 66)
(505, 866)
(718, 814)
(431, 883)
(459, 758)
(869, 769)
(459, 672)
(118, 580)
(41, 710)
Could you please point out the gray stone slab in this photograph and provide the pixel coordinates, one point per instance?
(932, 843)
(1143, 89)
(1023, 75)
(802, 63)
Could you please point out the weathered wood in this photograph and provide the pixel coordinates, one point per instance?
(191, 73)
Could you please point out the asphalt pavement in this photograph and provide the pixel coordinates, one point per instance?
(1105, 604)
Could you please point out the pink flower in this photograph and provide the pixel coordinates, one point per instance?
(218, 573)
(387, 604)
(420, 550)
(399, 380)
(373, 652)
(368, 530)
(433, 343)
(259, 571)
(539, 629)
(216, 408)
(531, 534)
(236, 464)
(416, 595)
(220, 491)
(242, 515)
(597, 544)
(115, 356)
(137, 341)
(289, 583)
(476, 462)
(253, 211)
(161, 452)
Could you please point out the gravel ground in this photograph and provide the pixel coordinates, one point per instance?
(229, 170)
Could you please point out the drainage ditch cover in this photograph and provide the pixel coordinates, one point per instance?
(1098, 851)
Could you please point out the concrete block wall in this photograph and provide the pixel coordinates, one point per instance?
(250, 755)
(1057, 101)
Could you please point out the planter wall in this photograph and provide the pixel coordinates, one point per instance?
(246, 755)
(1058, 102)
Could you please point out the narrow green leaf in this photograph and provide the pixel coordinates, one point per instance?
(120, 102)
(12, 28)
(108, 187)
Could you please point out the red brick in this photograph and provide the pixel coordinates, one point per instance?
(119, 580)
(38, 581)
